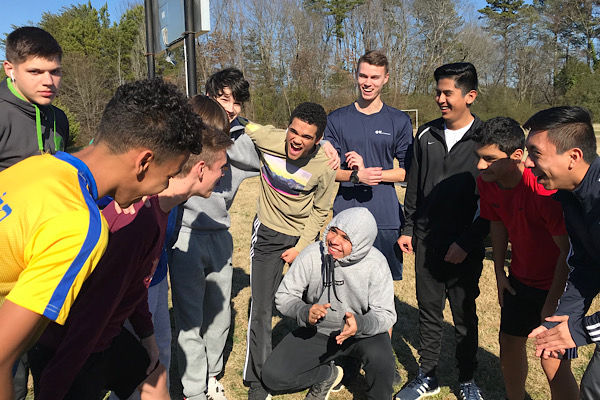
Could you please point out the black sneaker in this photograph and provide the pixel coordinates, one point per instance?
(422, 386)
(321, 390)
(258, 393)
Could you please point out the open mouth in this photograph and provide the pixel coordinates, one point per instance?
(295, 149)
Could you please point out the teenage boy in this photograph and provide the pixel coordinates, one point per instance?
(93, 352)
(368, 135)
(296, 192)
(201, 268)
(51, 231)
(341, 293)
(562, 155)
(29, 124)
(443, 227)
(521, 210)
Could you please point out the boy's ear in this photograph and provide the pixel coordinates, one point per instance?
(470, 97)
(517, 155)
(143, 160)
(199, 168)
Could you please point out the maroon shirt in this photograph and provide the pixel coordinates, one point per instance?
(115, 291)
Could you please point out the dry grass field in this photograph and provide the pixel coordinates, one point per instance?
(405, 335)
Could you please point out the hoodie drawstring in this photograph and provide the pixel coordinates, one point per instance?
(329, 278)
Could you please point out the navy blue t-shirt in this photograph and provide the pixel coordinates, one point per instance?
(378, 138)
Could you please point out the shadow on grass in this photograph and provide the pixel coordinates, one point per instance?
(405, 336)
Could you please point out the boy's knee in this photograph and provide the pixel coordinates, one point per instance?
(273, 378)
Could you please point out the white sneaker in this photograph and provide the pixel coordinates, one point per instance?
(215, 391)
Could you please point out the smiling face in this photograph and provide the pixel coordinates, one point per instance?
(338, 243)
(212, 174)
(301, 139)
(229, 103)
(371, 79)
(152, 180)
(451, 101)
(551, 169)
(36, 79)
(494, 164)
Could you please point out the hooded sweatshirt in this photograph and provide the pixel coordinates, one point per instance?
(23, 133)
(360, 283)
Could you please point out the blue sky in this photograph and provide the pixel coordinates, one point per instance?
(30, 11)
(25, 12)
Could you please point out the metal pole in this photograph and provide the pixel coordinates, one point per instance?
(149, 39)
(190, 48)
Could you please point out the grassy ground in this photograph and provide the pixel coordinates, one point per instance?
(405, 335)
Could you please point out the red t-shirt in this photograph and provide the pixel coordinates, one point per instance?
(531, 218)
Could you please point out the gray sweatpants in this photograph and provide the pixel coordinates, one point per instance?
(590, 382)
(201, 274)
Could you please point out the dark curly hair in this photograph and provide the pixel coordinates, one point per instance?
(504, 132)
(232, 78)
(31, 42)
(150, 114)
(313, 114)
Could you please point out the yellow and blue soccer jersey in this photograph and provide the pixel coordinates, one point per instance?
(52, 234)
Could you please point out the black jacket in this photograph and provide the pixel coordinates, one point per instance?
(582, 218)
(18, 128)
(441, 203)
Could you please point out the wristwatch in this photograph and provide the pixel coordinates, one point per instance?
(354, 177)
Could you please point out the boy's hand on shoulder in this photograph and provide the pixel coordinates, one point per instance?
(349, 330)
(289, 255)
(332, 154)
(317, 312)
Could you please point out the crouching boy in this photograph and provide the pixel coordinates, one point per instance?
(340, 291)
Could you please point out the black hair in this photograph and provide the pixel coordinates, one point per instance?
(504, 132)
(463, 74)
(313, 114)
(30, 42)
(568, 127)
(232, 78)
(150, 114)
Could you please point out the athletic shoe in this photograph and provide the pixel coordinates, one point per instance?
(258, 393)
(469, 391)
(422, 386)
(321, 390)
(215, 391)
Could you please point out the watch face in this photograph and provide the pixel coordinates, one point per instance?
(354, 177)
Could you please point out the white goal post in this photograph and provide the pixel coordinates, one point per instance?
(416, 119)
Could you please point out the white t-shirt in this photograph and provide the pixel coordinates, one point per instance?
(452, 137)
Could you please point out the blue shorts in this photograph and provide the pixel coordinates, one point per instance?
(386, 242)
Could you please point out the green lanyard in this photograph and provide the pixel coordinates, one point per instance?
(58, 141)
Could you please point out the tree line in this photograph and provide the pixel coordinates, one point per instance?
(528, 56)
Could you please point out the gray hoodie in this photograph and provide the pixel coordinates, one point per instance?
(206, 215)
(360, 283)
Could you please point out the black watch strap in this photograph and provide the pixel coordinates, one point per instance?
(354, 177)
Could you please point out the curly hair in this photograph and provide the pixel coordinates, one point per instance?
(313, 114)
(31, 42)
(504, 132)
(150, 114)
